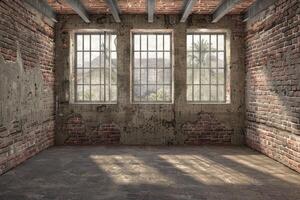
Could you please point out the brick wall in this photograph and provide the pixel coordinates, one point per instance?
(273, 83)
(27, 127)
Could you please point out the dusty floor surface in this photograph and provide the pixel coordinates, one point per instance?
(150, 173)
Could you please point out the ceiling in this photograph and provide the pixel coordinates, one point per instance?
(140, 6)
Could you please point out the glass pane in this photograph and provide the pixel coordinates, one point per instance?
(167, 93)
(189, 76)
(102, 92)
(152, 93)
(213, 76)
(189, 94)
(213, 57)
(167, 42)
(205, 42)
(143, 76)
(137, 90)
(137, 76)
(144, 42)
(86, 59)
(159, 42)
(107, 77)
(160, 76)
(196, 60)
(86, 42)
(95, 41)
(189, 42)
(137, 60)
(80, 93)
(196, 76)
(113, 42)
(167, 60)
(79, 76)
(102, 60)
(113, 57)
(151, 76)
(205, 60)
(86, 92)
(144, 60)
(113, 93)
(86, 76)
(189, 60)
(213, 42)
(204, 92)
(102, 76)
(107, 92)
(196, 43)
(95, 76)
(102, 42)
(221, 96)
(79, 60)
(136, 42)
(114, 75)
(152, 42)
(160, 93)
(221, 76)
(220, 60)
(196, 92)
(167, 76)
(152, 60)
(95, 92)
(79, 42)
(143, 93)
(221, 43)
(95, 57)
(205, 76)
(213, 93)
(160, 61)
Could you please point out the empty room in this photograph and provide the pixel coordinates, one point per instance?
(149, 99)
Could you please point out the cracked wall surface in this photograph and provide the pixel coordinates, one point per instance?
(148, 123)
(27, 99)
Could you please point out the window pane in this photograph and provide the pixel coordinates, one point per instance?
(205, 67)
(95, 76)
(86, 42)
(86, 59)
(98, 71)
(220, 42)
(79, 60)
(213, 42)
(205, 42)
(144, 42)
(95, 59)
(95, 41)
(221, 95)
(189, 93)
(167, 42)
(159, 42)
(149, 82)
(137, 42)
(95, 92)
(80, 93)
(204, 92)
(152, 42)
(79, 42)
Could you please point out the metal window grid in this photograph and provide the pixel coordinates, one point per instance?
(220, 87)
(83, 90)
(163, 70)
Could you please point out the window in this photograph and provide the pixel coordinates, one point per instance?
(152, 68)
(95, 67)
(206, 67)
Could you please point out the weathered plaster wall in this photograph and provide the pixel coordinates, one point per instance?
(126, 123)
(273, 82)
(26, 84)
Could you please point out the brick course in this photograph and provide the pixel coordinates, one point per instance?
(20, 26)
(273, 83)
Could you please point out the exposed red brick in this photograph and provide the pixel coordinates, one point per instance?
(272, 85)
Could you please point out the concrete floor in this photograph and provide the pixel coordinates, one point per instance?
(150, 173)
